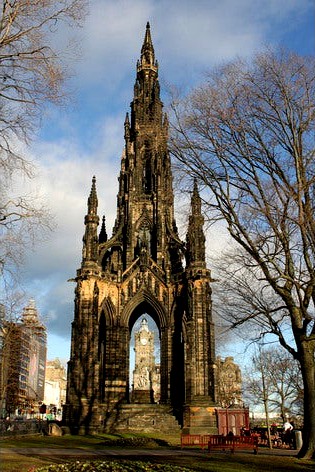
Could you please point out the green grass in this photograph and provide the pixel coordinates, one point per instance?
(67, 441)
(91, 442)
(217, 462)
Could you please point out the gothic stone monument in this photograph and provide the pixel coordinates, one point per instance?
(139, 270)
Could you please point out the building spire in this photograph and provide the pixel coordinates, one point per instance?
(147, 50)
(91, 220)
(196, 200)
(146, 106)
(92, 200)
(127, 126)
(103, 235)
(195, 239)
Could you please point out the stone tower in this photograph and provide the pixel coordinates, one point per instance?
(139, 270)
(146, 378)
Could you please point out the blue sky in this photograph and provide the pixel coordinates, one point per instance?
(86, 137)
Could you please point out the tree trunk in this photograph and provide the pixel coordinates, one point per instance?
(268, 424)
(308, 372)
(265, 397)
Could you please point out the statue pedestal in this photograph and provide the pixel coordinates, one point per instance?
(142, 396)
(200, 419)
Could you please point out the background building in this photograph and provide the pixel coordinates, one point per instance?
(23, 359)
(231, 413)
(229, 383)
(55, 385)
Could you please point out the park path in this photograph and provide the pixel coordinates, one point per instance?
(78, 452)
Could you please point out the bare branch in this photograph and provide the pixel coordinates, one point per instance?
(247, 136)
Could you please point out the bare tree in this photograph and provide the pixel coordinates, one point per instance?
(281, 384)
(33, 70)
(259, 387)
(285, 382)
(247, 136)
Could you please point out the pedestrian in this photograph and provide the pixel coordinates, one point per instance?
(288, 428)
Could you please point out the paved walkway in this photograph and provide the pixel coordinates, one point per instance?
(94, 453)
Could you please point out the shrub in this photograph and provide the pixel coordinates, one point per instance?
(111, 466)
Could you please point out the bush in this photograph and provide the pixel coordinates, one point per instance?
(136, 441)
(111, 466)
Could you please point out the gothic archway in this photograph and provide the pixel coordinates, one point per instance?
(140, 304)
(144, 362)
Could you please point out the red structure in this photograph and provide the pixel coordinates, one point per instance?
(234, 420)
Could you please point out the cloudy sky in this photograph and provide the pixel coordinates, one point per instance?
(86, 138)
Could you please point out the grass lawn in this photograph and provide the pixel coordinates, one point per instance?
(11, 462)
(217, 462)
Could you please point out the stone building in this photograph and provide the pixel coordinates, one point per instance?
(23, 358)
(229, 383)
(55, 384)
(232, 415)
(143, 268)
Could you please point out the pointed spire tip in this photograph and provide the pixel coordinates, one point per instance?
(195, 187)
(103, 235)
(147, 50)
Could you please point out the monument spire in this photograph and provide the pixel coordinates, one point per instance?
(145, 213)
(195, 240)
(92, 200)
(91, 221)
(103, 235)
(147, 50)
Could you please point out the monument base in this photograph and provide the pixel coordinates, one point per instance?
(142, 396)
(200, 419)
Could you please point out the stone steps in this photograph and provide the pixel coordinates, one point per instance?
(144, 418)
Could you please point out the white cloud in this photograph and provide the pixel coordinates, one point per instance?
(64, 175)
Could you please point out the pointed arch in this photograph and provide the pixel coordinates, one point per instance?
(144, 220)
(144, 302)
(108, 310)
